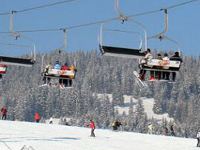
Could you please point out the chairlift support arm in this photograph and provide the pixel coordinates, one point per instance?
(120, 13)
(15, 34)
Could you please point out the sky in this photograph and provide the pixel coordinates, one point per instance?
(183, 25)
(40, 136)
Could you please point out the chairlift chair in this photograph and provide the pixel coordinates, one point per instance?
(107, 50)
(3, 69)
(58, 77)
(26, 62)
(121, 51)
(157, 65)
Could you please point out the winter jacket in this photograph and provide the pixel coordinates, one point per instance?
(92, 125)
(3, 111)
(37, 116)
(57, 66)
(64, 67)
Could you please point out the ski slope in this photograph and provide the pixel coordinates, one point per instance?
(14, 135)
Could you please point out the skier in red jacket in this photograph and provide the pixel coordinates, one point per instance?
(37, 117)
(4, 113)
(92, 126)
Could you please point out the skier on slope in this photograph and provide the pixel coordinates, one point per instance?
(37, 117)
(51, 120)
(198, 138)
(92, 126)
(116, 124)
(172, 130)
(4, 113)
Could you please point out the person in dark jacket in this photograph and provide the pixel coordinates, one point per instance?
(4, 113)
(116, 124)
(175, 57)
(172, 130)
(158, 73)
(165, 61)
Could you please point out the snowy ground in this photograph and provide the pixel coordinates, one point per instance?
(14, 135)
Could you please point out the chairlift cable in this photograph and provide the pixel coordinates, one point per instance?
(180, 4)
(103, 21)
(17, 45)
(38, 7)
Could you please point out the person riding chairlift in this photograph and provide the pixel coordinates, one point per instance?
(175, 57)
(165, 61)
(64, 81)
(147, 57)
(46, 71)
(57, 65)
(158, 73)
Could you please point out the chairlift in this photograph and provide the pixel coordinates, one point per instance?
(3, 69)
(159, 67)
(7, 60)
(121, 51)
(18, 61)
(108, 50)
(61, 77)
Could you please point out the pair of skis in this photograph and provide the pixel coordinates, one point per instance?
(144, 85)
(140, 83)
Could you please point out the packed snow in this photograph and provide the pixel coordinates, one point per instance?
(16, 135)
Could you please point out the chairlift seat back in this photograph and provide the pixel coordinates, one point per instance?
(171, 65)
(61, 73)
(121, 52)
(16, 61)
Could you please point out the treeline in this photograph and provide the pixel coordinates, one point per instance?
(21, 93)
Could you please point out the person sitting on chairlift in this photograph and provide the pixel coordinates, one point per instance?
(158, 73)
(147, 57)
(64, 81)
(175, 57)
(57, 65)
(47, 79)
(165, 61)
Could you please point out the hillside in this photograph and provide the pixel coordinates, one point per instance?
(147, 102)
(21, 93)
(51, 137)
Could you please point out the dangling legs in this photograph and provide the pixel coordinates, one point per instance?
(70, 82)
(142, 74)
(173, 76)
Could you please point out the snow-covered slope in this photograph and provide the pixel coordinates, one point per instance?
(14, 135)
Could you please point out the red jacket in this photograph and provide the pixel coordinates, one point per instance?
(64, 67)
(37, 116)
(4, 110)
(92, 125)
